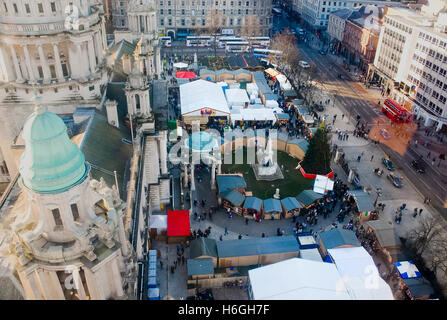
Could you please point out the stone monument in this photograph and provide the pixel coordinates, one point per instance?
(266, 168)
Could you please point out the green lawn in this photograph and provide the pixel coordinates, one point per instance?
(292, 184)
(214, 63)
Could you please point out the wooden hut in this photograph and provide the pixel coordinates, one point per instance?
(200, 268)
(290, 207)
(272, 209)
(386, 237)
(308, 197)
(178, 226)
(234, 200)
(252, 207)
(248, 252)
(203, 248)
(337, 238)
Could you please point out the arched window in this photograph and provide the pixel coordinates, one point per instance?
(57, 218)
(137, 102)
(75, 211)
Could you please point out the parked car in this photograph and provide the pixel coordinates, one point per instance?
(304, 64)
(418, 166)
(395, 180)
(388, 164)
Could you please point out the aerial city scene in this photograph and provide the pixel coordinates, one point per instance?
(223, 150)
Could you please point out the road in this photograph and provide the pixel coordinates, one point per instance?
(356, 100)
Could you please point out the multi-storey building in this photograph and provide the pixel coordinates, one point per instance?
(336, 27)
(316, 12)
(361, 36)
(181, 18)
(411, 62)
(58, 54)
(119, 14)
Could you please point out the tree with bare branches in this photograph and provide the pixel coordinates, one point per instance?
(215, 20)
(251, 28)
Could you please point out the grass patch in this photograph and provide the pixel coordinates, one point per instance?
(214, 63)
(292, 184)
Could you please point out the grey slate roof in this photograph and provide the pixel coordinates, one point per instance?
(385, 233)
(338, 237)
(253, 203)
(255, 246)
(271, 96)
(307, 197)
(202, 247)
(200, 266)
(419, 286)
(290, 203)
(271, 205)
(362, 200)
(262, 83)
(234, 196)
(229, 182)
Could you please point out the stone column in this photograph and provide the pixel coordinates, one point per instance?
(58, 65)
(185, 174)
(213, 176)
(163, 153)
(219, 168)
(91, 56)
(44, 63)
(117, 278)
(99, 48)
(28, 64)
(193, 184)
(19, 77)
(78, 284)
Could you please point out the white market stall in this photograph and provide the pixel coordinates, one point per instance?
(360, 274)
(237, 97)
(283, 82)
(249, 114)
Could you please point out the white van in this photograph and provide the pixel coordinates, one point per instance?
(304, 64)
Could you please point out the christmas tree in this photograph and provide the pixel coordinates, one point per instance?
(318, 156)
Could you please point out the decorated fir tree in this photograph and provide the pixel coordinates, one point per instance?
(318, 156)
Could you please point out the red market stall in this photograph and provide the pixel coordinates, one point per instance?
(178, 226)
(186, 75)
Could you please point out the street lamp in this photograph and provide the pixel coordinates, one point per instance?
(379, 194)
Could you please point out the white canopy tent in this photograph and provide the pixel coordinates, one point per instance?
(237, 97)
(297, 279)
(159, 222)
(250, 114)
(180, 65)
(272, 104)
(360, 274)
(201, 94)
(283, 82)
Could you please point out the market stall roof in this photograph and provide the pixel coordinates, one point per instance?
(237, 97)
(253, 203)
(339, 237)
(201, 94)
(307, 197)
(259, 78)
(233, 196)
(227, 182)
(298, 101)
(311, 254)
(297, 279)
(290, 92)
(186, 75)
(271, 205)
(200, 266)
(302, 110)
(180, 65)
(419, 287)
(306, 241)
(385, 233)
(203, 247)
(302, 143)
(407, 269)
(271, 96)
(158, 221)
(357, 268)
(178, 223)
(362, 200)
(290, 203)
(256, 246)
(272, 72)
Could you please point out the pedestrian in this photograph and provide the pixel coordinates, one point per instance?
(226, 231)
(172, 269)
(263, 235)
(220, 238)
(359, 158)
(161, 264)
(246, 220)
(416, 143)
(420, 211)
(415, 213)
(428, 154)
(372, 157)
(183, 260)
(433, 162)
(240, 237)
(342, 116)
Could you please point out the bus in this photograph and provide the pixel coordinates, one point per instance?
(264, 53)
(198, 41)
(260, 42)
(395, 111)
(237, 46)
(224, 40)
(165, 41)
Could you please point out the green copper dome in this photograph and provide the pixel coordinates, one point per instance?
(51, 162)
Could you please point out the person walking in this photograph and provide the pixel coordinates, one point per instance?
(220, 238)
(246, 221)
(415, 212)
(240, 237)
(226, 231)
(359, 158)
(420, 211)
(372, 157)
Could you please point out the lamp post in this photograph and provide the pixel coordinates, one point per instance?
(379, 194)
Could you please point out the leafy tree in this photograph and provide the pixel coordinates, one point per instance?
(318, 156)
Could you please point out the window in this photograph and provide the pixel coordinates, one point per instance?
(75, 212)
(170, 21)
(57, 217)
(183, 22)
(6, 8)
(40, 6)
(91, 88)
(161, 11)
(183, 11)
(162, 22)
(169, 11)
(15, 8)
(53, 6)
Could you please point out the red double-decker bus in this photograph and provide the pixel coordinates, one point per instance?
(395, 111)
